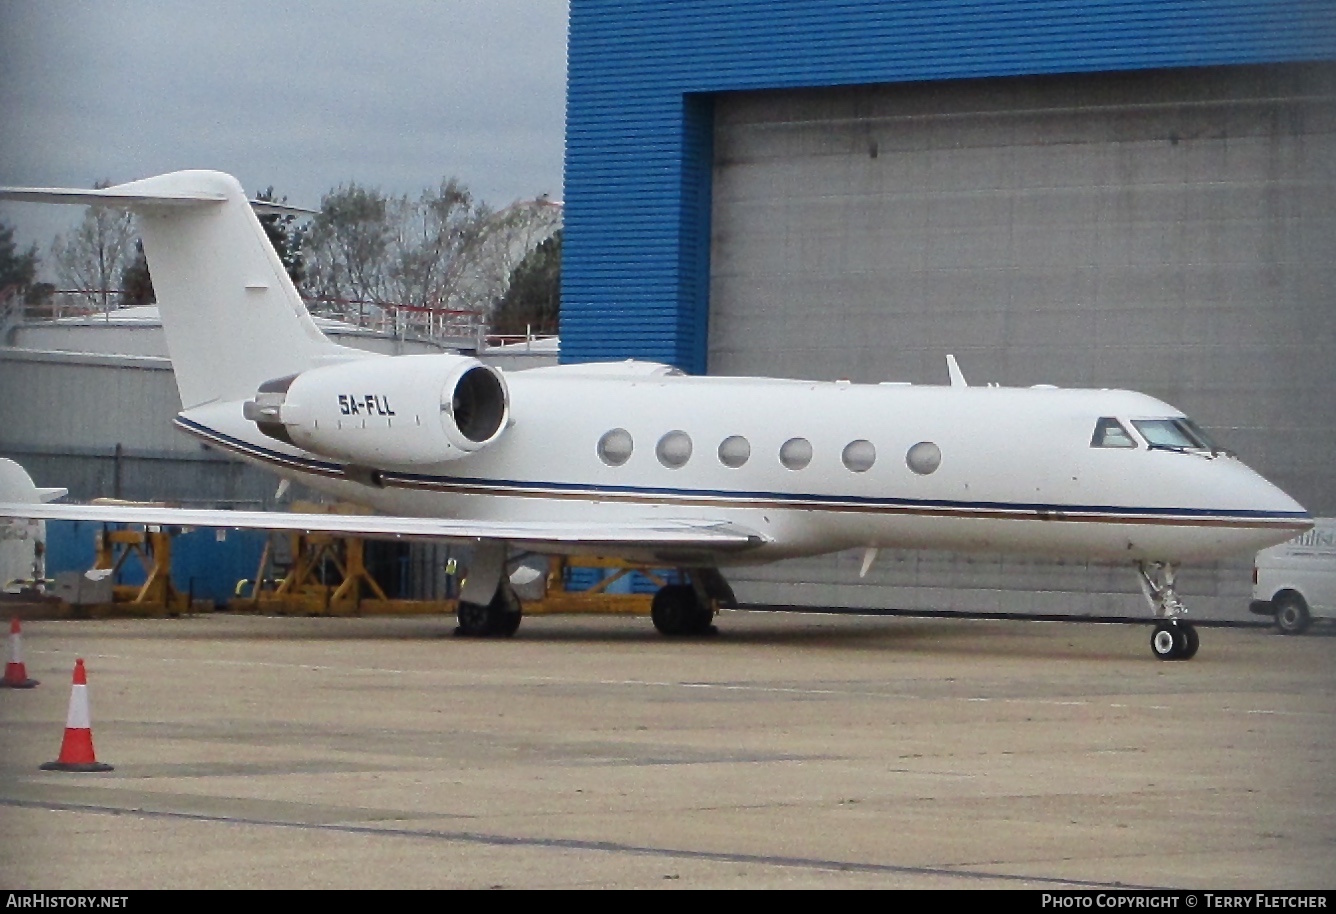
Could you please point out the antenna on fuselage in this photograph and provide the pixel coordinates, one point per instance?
(953, 371)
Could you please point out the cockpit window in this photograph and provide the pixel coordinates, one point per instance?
(1109, 432)
(1180, 434)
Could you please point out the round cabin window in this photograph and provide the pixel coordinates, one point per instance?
(859, 455)
(674, 449)
(796, 453)
(734, 451)
(924, 458)
(615, 447)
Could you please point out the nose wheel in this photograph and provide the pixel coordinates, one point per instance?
(1174, 640)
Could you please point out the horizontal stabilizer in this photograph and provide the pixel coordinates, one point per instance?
(537, 535)
(126, 195)
(183, 189)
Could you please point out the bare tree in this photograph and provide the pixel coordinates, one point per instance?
(434, 237)
(347, 251)
(373, 255)
(91, 260)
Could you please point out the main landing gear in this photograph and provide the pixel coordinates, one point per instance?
(1174, 638)
(688, 609)
(499, 618)
(489, 607)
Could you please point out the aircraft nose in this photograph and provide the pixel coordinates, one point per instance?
(1276, 507)
(1281, 502)
(1244, 489)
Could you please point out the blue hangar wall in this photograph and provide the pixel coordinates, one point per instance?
(643, 75)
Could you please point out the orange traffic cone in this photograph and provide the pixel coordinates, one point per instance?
(76, 752)
(16, 674)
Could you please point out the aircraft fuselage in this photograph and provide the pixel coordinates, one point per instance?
(814, 467)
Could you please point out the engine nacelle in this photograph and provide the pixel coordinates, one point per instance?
(394, 411)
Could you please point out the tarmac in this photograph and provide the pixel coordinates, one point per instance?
(813, 751)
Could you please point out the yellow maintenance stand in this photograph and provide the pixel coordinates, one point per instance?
(327, 577)
(596, 600)
(153, 550)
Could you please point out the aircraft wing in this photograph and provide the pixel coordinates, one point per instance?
(663, 536)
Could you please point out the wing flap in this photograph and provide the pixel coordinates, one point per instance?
(539, 536)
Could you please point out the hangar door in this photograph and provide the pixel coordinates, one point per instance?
(1172, 231)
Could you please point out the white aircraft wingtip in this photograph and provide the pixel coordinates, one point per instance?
(270, 208)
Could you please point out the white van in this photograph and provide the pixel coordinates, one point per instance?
(1296, 581)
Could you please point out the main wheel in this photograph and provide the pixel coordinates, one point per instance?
(507, 611)
(702, 621)
(498, 619)
(675, 610)
(1168, 642)
(475, 620)
(506, 623)
(1291, 614)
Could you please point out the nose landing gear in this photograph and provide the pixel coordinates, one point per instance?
(1174, 638)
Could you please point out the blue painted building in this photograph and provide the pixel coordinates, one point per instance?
(644, 77)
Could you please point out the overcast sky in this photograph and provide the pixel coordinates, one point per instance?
(300, 95)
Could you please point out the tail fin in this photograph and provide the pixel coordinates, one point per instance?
(232, 315)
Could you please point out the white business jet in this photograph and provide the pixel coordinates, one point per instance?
(638, 460)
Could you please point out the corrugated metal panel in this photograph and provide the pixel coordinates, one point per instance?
(71, 401)
(637, 156)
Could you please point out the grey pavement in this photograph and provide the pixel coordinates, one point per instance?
(788, 751)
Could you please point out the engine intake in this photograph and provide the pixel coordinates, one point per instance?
(478, 404)
(399, 411)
